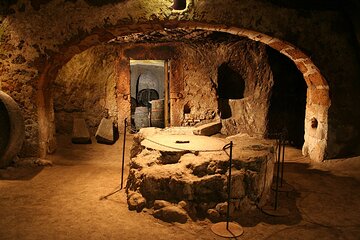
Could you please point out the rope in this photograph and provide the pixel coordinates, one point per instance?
(183, 149)
(212, 150)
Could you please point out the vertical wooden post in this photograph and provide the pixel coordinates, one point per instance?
(166, 95)
(176, 91)
(123, 90)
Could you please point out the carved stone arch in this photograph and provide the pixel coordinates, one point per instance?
(318, 100)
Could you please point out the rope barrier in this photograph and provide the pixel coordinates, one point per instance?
(185, 149)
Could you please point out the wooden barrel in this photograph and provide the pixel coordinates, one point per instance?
(141, 117)
(157, 113)
(12, 129)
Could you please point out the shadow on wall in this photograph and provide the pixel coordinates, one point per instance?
(231, 85)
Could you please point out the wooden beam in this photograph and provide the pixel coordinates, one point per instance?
(166, 96)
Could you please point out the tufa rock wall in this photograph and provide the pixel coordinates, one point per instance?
(202, 100)
(86, 87)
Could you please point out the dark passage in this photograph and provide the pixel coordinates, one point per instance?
(231, 85)
(288, 99)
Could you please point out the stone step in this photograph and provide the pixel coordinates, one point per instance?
(105, 132)
(80, 133)
(208, 129)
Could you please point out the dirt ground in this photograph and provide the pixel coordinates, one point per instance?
(63, 201)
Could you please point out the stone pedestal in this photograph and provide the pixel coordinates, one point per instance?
(192, 175)
(80, 133)
(105, 132)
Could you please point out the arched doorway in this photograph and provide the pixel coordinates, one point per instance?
(288, 100)
(318, 100)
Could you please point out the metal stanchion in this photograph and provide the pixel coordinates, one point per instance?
(228, 229)
(122, 164)
(276, 210)
(283, 187)
(123, 155)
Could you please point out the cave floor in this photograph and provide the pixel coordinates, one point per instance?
(63, 201)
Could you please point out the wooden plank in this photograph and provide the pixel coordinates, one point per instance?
(166, 97)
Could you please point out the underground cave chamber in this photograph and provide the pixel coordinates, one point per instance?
(181, 82)
(238, 84)
(209, 78)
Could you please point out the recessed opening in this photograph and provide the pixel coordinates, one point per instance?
(231, 85)
(288, 99)
(314, 123)
(179, 4)
(147, 93)
(187, 108)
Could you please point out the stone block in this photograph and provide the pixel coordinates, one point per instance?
(80, 133)
(213, 214)
(296, 54)
(158, 204)
(301, 66)
(184, 205)
(221, 208)
(278, 45)
(105, 132)
(208, 129)
(320, 96)
(136, 201)
(316, 78)
(171, 214)
(237, 184)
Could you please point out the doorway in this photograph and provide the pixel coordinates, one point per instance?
(149, 93)
(231, 85)
(288, 100)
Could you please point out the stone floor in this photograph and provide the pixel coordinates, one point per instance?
(62, 201)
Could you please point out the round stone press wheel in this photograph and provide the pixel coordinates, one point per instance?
(12, 129)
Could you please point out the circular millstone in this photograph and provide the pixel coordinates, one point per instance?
(234, 230)
(178, 143)
(278, 212)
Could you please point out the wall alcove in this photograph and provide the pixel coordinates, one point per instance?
(231, 85)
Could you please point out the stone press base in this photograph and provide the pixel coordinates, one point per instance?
(176, 175)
